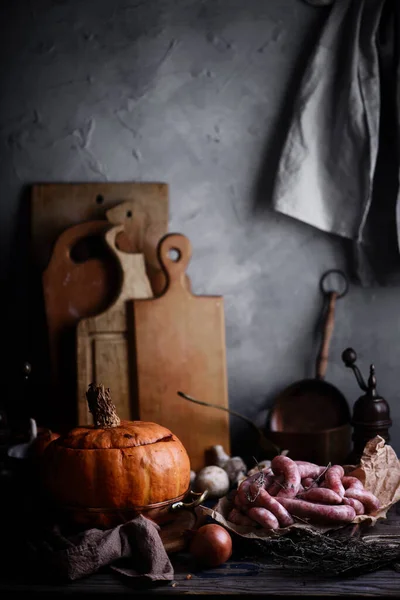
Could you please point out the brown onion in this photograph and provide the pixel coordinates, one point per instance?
(211, 545)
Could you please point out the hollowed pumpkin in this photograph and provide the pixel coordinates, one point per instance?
(105, 474)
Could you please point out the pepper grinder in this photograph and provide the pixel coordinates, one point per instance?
(371, 412)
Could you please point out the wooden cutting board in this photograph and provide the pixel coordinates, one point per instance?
(54, 209)
(103, 348)
(142, 234)
(81, 279)
(57, 206)
(180, 346)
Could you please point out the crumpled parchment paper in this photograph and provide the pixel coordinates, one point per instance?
(379, 471)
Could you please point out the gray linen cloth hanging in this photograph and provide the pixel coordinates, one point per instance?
(339, 166)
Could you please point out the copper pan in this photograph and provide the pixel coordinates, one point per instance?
(311, 417)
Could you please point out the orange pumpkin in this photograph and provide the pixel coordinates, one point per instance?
(43, 439)
(105, 474)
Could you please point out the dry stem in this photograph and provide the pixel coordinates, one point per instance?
(102, 408)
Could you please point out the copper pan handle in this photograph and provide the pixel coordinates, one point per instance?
(332, 295)
(323, 355)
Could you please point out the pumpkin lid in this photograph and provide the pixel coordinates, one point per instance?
(128, 434)
(108, 431)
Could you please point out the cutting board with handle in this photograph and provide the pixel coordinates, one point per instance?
(103, 348)
(81, 279)
(141, 234)
(57, 206)
(180, 346)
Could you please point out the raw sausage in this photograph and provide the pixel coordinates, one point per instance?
(349, 481)
(315, 494)
(333, 479)
(308, 469)
(371, 502)
(356, 504)
(266, 501)
(243, 489)
(275, 486)
(308, 482)
(237, 517)
(263, 517)
(320, 495)
(244, 497)
(283, 465)
(318, 513)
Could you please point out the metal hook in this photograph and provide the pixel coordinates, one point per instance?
(329, 291)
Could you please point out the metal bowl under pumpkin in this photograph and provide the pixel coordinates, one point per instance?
(107, 474)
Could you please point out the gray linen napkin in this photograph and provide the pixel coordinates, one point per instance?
(134, 549)
(339, 166)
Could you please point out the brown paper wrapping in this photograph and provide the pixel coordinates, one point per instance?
(379, 471)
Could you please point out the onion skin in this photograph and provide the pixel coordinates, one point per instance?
(211, 545)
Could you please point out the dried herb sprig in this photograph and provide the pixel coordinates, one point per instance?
(325, 555)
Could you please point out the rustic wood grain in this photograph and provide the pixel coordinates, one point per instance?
(234, 577)
(245, 577)
(141, 233)
(180, 346)
(57, 206)
(71, 291)
(102, 344)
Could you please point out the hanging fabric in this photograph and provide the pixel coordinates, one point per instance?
(339, 167)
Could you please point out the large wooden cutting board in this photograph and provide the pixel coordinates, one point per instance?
(103, 348)
(57, 206)
(180, 346)
(81, 280)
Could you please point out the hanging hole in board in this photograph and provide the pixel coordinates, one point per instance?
(99, 199)
(174, 254)
(334, 280)
(129, 214)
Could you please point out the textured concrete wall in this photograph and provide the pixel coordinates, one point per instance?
(196, 94)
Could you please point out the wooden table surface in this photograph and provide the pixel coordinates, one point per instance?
(244, 576)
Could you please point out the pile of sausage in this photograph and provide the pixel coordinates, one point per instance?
(298, 491)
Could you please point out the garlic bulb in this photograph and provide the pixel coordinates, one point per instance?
(214, 479)
(235, 468)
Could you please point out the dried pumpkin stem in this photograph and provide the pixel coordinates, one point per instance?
(102, 408)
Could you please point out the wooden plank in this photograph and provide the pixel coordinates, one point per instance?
(73, 290)
(259, 576)
(57, 206)
(180, 346)
(141, 234)
(103, 350)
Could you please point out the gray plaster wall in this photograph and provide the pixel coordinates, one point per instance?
(196, 94)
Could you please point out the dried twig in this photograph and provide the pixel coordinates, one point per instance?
(326, 555)
(259, 482)
(320, 476)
